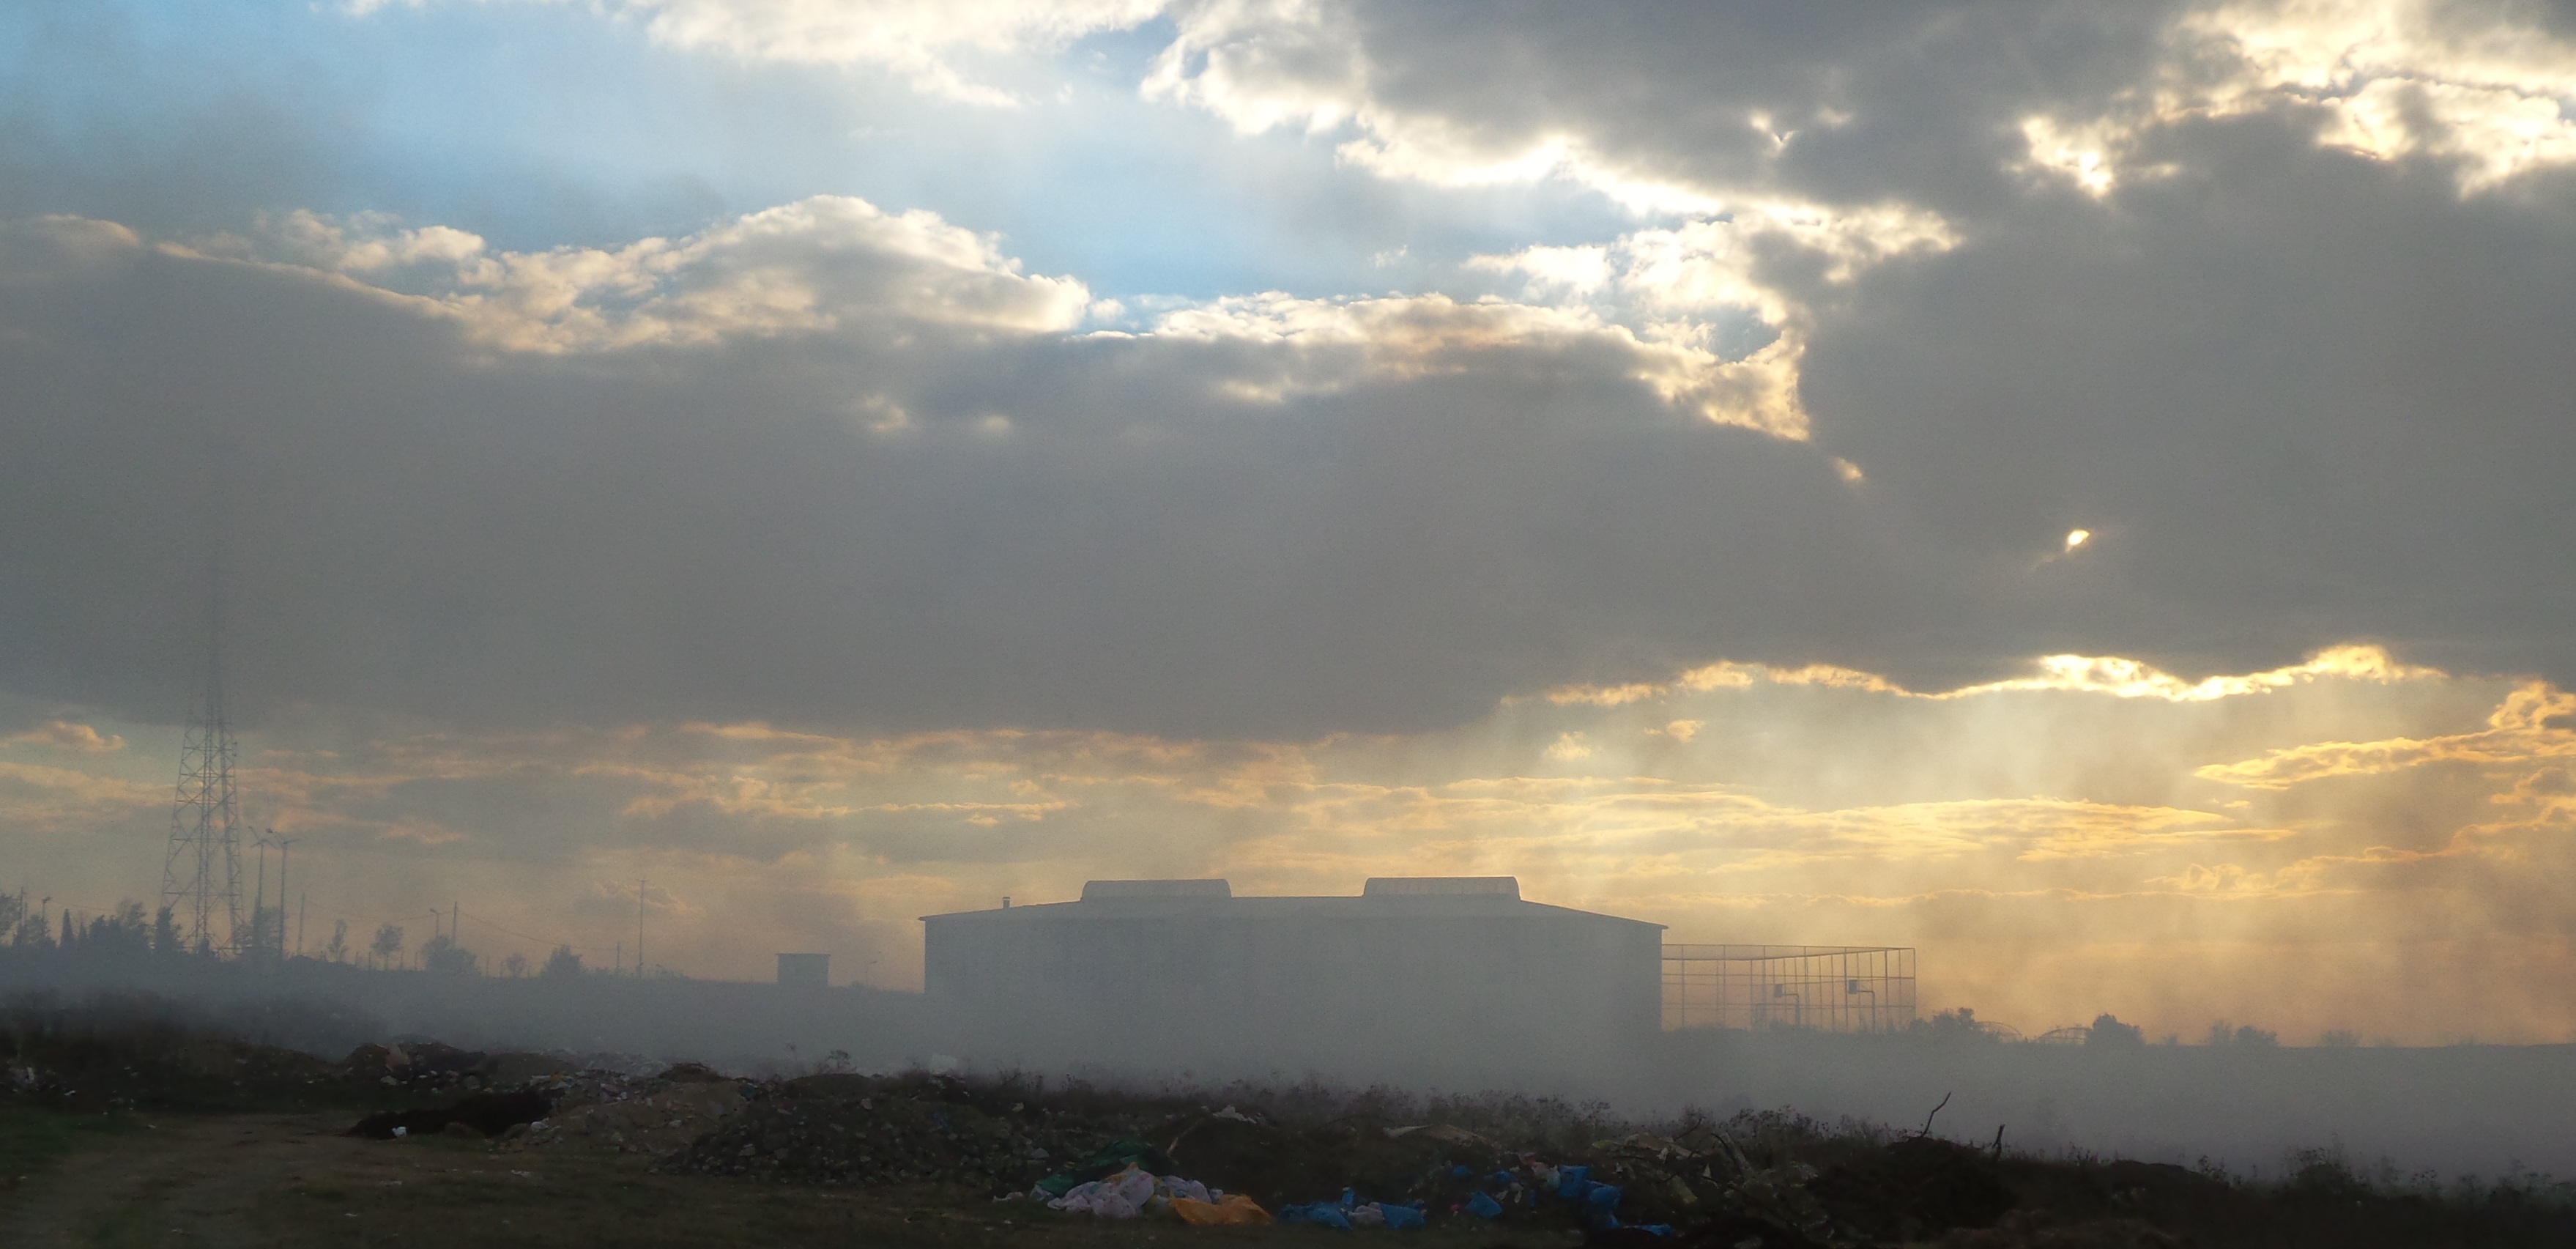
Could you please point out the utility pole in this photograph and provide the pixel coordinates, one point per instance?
(454, 909)
(301, 904)
(639, 928)
(282, 844)
(259, 899)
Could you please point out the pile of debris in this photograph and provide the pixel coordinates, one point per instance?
(1356, 1170)
(431, 1067)
(657, 1116)
(848, 1130)
(1759, 1180)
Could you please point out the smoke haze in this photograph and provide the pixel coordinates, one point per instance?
(2075, 488)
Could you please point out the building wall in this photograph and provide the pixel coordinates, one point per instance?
(1368, 988)
(805, 971)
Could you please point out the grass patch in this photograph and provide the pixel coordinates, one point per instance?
(33, 1139)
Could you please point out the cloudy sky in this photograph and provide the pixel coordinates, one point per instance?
(2080, 487)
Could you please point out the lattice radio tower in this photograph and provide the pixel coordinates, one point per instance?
(201, 878)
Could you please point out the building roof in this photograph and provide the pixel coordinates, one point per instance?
(1385, 897)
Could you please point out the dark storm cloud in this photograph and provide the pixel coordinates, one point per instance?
(2299, 395)
(2299, 365)
(2304, 396)
(414, 525)
(1856, 102)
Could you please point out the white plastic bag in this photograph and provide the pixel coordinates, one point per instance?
(1121, 1196)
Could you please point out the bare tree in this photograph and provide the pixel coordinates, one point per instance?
(338, 949)
(515, 966)
(387, 946)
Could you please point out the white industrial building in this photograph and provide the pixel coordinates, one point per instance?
(1422, 975)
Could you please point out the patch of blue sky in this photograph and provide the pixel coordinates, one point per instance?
(546, 125)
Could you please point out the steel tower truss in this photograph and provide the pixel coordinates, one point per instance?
(201, 877)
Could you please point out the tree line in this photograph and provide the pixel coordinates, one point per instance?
(128, 930)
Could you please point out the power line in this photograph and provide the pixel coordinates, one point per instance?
(526, 937)
(405, 917)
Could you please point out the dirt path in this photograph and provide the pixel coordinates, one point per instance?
(291, 1180)
(180, 1180)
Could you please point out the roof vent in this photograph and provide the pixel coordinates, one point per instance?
(1094, 890)
(1442, 887)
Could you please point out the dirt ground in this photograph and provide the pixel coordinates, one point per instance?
(292, 1180)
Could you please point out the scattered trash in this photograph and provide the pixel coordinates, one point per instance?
(1118, 1155)
(1125, 1195)
(1323, 1213)
(1350, 1214)
(1504, 1169)
(846, 1130)
(658, 1115)
(1136, 1193)
(1233, 1208)
(1131, 1157)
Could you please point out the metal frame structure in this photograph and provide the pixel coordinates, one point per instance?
(1830, 988)
(201, 874)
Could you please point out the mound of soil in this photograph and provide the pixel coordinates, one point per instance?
(841, 1130)
(655, 1116)
(1915, 1188)
(487, 1114)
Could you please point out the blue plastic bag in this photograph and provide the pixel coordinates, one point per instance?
(1573, 1182)
(1483, 1207)
(1603, 1196)
(1398, 1218)
(1321, 1213)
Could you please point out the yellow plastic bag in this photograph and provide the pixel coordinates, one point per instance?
(1236, 1208)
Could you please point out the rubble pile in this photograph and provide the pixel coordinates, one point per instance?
(843, 1130)
(1757, 1180)
(658, 1116)
(1355, 1170)
(1370, 1161)
(431, 1067)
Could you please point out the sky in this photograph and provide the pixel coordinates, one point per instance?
(2076, 487)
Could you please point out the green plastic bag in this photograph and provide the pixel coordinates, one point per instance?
(1118, 1156)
